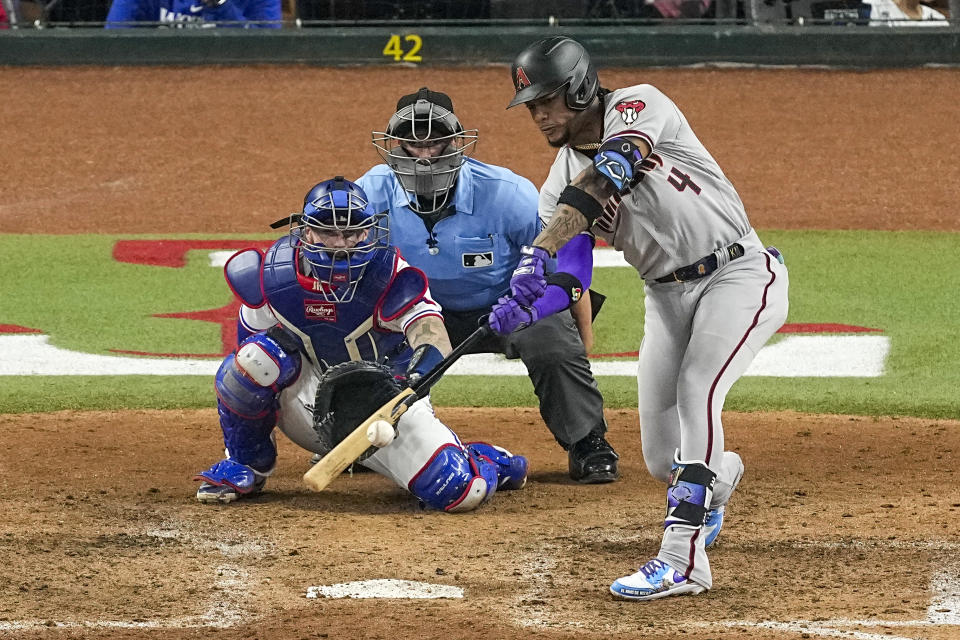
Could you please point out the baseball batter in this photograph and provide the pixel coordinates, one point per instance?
(322, 309)
(630, 170)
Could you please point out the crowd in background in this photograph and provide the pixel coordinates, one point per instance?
(278, 13)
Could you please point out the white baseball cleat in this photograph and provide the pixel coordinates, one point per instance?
(656, 579)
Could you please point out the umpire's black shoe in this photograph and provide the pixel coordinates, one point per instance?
(593, 460)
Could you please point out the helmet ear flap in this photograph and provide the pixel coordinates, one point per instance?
(583, 88)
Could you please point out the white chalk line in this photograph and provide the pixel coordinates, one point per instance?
(231, 586)
(791, 357)
(531, 607)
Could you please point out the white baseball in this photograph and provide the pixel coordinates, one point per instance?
(380, 433)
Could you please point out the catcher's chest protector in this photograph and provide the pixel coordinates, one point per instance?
(338, 331)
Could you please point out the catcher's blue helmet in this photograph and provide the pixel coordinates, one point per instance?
(339, 235)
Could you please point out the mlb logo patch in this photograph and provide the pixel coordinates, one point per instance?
(320, 311)
(476, 260)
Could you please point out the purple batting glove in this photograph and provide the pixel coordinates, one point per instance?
(508, 315)
(528, 282)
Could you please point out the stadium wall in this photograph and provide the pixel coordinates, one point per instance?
(832, 46)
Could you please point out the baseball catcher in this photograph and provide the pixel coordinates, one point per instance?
(332, 322)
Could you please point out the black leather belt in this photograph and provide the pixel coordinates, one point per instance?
(704, 266)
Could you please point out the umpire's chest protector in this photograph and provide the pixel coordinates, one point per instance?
(334, 331)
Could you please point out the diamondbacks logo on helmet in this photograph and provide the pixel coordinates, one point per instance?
(630, 109)
(522, 80)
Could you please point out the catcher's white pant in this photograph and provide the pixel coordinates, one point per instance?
(419, 432)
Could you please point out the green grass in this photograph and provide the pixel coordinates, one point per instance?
(900, 282)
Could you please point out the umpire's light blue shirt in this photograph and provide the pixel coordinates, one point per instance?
(479, 246)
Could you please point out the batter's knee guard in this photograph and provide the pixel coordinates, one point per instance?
(455, 480)
(248, 386)
(689, 491)
(511, 469)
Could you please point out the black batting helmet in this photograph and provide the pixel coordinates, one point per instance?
(551, 63)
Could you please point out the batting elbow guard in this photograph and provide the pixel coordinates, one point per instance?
(617, 160)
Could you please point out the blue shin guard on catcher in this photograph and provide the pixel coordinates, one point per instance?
(455, 480)
(511, 469)
(248, 386)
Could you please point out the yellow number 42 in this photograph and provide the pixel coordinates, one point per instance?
(393, 48)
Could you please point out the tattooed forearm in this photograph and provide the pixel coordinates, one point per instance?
(429, 330)
(567, 221)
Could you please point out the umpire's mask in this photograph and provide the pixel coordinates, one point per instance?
(426, 146)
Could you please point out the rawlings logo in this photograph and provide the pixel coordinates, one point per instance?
(522, 81)
(317, 310)
(575, 294)
(630, 109)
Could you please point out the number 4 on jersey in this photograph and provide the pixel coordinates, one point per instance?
(678, 179)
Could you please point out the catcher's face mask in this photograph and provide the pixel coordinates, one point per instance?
(339, 235)
(426, 146)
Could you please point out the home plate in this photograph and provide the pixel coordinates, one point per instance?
(385, 588)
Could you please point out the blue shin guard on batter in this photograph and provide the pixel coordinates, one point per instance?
(455, 480)
(689, 491)
(511, 469)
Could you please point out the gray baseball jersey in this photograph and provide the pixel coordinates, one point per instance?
(682, 209)
(701, 334)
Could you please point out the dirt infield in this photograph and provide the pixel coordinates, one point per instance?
(838, 520)
(842, 527)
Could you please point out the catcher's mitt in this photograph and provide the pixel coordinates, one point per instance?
(348, 394)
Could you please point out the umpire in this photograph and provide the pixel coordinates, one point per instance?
(464, 222)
